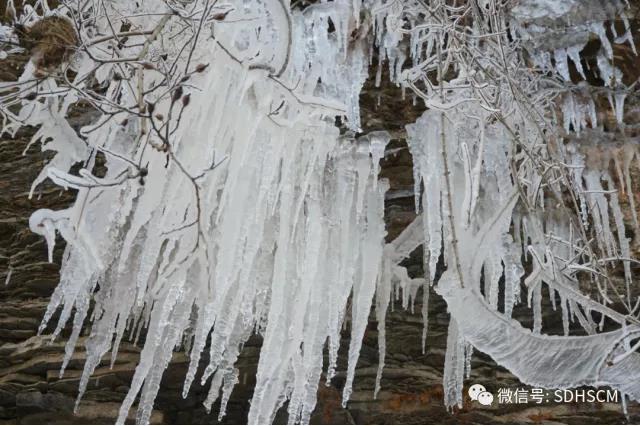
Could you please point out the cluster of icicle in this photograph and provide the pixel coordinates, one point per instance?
(265, 221)
(553, 48)
(268, 221)
(489, 207)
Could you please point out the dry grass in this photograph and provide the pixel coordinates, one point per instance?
(52, 40)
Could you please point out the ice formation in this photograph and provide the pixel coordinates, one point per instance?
(233, 205)
(487, 204)
(253, 201)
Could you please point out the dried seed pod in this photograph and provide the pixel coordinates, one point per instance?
(201, 67)
(220, 15)
(177, 94)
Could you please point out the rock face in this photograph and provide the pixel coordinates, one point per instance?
(31, 390)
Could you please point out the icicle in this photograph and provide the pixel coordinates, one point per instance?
(628, 35)
(598, 28)
(619, 106)
(383, 295)
(230, 380)
(574, 54)
(536, 305)
(8, 277)
(623, 241)
(377, 142)
(45, 222)
(214, 390)
(591, 106)
(454, 367)
(425, 313)
(568, 112)
(565, 314)
(610, 74)
(363, 291)
(513, 272)
(552, 298)
(423, 139)
(600, 211)
(468, 354)
(562, 64)
(629, 155)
